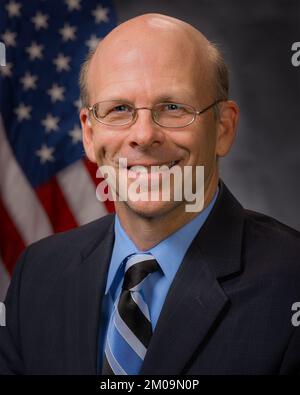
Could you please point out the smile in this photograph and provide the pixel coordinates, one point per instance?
(151, 167)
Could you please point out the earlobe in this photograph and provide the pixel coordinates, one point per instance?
(87, 135)
(227, 125)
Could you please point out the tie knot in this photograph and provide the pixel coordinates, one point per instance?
(138, 267)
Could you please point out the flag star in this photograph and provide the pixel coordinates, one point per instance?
(68, 32)
(9, 38)
(45, 154)
(78, 104)
(76, 134)
(23, 112)
(92, 42)
(100, 14)
(29, 81)
(6, 71)
(50, 123)
(62, 62)
(35, 51)
(13, 8)
(40, 20)
(73, 4)
(56, 93)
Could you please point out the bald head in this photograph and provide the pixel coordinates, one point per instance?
(161, 40)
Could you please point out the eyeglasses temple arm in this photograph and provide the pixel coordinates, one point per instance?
(210, 106)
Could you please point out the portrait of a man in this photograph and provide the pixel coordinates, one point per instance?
(155, 288)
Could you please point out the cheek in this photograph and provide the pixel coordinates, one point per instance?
(106, 147)
(200, 145)
(99, 153)
(206, 142)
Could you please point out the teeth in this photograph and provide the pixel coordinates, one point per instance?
(138, 168)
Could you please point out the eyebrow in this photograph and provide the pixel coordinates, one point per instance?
(178, 95)
(166, 98)
(159, 99)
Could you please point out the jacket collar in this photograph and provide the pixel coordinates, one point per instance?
(220, 240)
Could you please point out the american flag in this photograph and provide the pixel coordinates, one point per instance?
(46, 185)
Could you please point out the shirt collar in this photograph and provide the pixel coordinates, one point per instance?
(172, 249)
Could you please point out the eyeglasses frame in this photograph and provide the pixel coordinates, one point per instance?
(135, 114)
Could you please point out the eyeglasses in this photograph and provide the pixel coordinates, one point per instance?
(169, 115)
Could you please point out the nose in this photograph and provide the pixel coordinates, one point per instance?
(145, 133)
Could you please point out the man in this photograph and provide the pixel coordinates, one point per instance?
(158, 289)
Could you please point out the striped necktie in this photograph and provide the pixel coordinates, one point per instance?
(129, 330)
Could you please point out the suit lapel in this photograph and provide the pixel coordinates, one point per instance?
(193, 304)
(196, 301)
(87, 285)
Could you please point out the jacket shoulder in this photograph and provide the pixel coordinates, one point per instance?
(77, 237)
(273, 244)
(271, 228)
(62, 249)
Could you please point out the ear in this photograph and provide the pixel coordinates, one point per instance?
(87, 135)
(227, 125)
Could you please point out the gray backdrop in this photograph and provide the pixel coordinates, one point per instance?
(256, 38)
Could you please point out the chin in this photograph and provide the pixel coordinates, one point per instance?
(152, 209)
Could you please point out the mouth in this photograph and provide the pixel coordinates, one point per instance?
(140, 167)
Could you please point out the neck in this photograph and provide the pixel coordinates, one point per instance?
(147, 231)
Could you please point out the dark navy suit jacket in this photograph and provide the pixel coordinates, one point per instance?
(228, 310)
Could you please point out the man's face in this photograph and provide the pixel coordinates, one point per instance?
(145, 74)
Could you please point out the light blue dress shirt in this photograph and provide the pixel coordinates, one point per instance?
(169, 254)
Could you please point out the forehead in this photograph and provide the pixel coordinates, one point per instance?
(147, 66)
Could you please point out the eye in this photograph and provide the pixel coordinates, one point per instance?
(172, 107)
(121, 108)
(113, 110)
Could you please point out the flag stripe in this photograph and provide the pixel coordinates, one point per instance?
(56, 206)
(80, 193)
(19, 198)
(9, 251)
